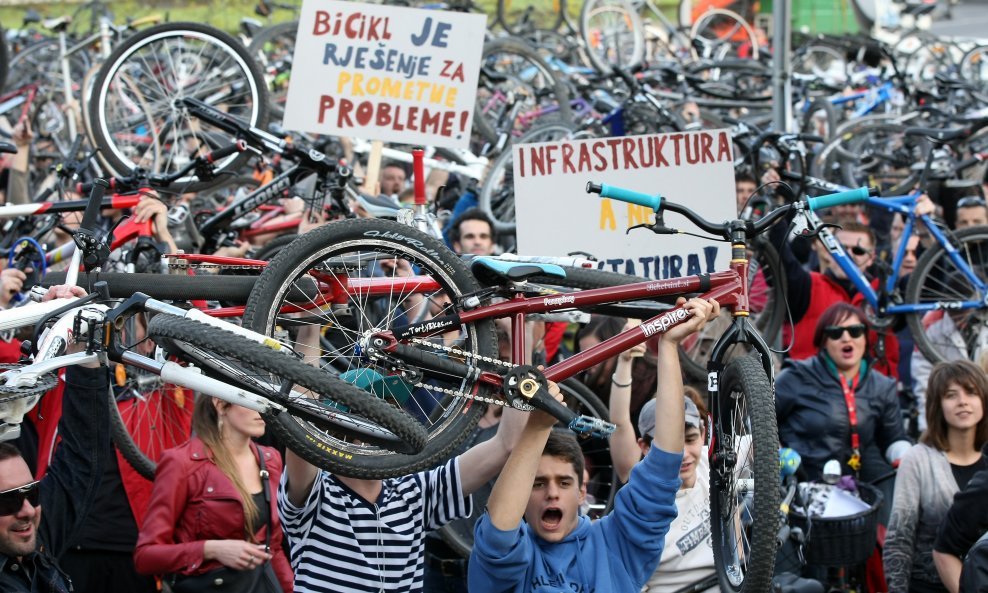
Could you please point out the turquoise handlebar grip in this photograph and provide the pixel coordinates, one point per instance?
(843, 197)
(625, 195)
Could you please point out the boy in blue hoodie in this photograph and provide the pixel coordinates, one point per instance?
(556, 549)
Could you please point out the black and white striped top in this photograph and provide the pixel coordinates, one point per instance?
(340, 543)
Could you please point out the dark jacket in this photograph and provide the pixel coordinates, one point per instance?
(967, 519)
(69, 488)
(193, 501)
(813, 417)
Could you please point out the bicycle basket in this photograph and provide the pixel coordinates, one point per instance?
(841, 541)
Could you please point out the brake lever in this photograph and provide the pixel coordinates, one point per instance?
(655, 228)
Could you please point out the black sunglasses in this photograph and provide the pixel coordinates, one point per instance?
(12, 500)
(834, 332)
(856, 250)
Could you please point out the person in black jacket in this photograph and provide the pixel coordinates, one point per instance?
(966, 522)
(30, 545)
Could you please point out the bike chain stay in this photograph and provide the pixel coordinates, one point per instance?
(453, 392)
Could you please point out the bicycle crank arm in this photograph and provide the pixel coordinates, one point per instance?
(533, 392)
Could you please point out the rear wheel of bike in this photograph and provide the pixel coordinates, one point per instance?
(519, 17)
(938, 279)
(601, 487)
(613, 33)
(337, 408)
(147, 417)
(880, 155)
(744, 477)
(497, 194)
(330, 290)
(135, 109)
(720, 33)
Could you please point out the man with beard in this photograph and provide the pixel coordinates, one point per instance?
(29, 547)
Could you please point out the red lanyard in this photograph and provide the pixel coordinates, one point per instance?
(852, 415)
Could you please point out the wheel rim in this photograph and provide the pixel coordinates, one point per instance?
(369, 296)
(611, 35)
(155, 74)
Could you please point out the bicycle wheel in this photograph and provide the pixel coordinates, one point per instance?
(744, 477)
(274, 48)
(513, 70)
(601, 487)
(720, 33)
(340, 408)
(938, 279)
(881, 155)
(767, 300)
(147, 417)
(328, 291)
(613, 33)
(497, 194)
(519, 17)
(135, 110)
(974, 69)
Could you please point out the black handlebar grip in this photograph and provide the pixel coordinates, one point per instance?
(222, 153)
(593, 188)
(95, 203)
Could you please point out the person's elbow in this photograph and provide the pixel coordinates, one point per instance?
(949, 568)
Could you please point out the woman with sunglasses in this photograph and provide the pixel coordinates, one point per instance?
(948, 455)
(212, 508)
(835, 406)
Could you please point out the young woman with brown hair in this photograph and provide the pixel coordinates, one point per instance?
(213, 509)
(931, 473)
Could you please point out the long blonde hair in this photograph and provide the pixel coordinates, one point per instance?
(205, 424)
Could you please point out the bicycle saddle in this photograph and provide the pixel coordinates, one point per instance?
(57, 25)
(381, 206)
(494, 272)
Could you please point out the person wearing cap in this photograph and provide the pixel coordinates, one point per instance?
(687, 557)
(557, 549)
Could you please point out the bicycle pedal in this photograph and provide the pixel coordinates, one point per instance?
(591, 426)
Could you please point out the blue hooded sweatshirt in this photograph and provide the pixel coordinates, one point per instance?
(616, 554)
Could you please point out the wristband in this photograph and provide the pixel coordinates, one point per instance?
(616, 384)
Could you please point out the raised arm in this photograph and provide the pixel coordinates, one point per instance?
(509, 498)
(301, 474)
(624, 449)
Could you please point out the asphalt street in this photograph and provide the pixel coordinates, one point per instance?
(970, 20)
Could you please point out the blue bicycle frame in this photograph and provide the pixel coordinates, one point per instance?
(905, 206)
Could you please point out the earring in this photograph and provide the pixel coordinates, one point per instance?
(219, 423)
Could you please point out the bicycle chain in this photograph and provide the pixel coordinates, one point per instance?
(196, 266)
(461, 353)
(44, 384)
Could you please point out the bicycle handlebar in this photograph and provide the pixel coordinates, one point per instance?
(625, 195)
(725, 229)
(850, 196)
(95, 202)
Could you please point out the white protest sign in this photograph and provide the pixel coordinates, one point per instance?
(386, 73)
(555, 215)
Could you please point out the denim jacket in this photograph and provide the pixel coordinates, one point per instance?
(69, 488)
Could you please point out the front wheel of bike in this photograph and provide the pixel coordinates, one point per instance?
(323, 401)
(331, 290)
(744, 477)
(939, 278)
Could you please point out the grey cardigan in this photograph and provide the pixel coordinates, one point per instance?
(924, 491)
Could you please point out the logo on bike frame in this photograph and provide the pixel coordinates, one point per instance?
(663, 323)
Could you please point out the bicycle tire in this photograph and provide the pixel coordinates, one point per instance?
(937, 279)
(523, 68)
(214, 67)
(270, 47)
(744, 410)
(881, 155)
(497, 193)
(4, 58)
(262, 370)
(273, 247)
(613, 34)
(603, 484)
(519, 20)
(820, 119)
(339, 257)
(168, 287)
(150, 422)
(973, 68)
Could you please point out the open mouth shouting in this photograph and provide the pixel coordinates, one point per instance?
(552, 519)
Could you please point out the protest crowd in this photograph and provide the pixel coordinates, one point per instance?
(866, 416)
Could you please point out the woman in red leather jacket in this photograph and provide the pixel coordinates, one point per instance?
(207, 507)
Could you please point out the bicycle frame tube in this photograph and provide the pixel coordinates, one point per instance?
(727, 287)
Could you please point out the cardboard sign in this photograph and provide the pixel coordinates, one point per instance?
(386, 73)
(556, 216)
